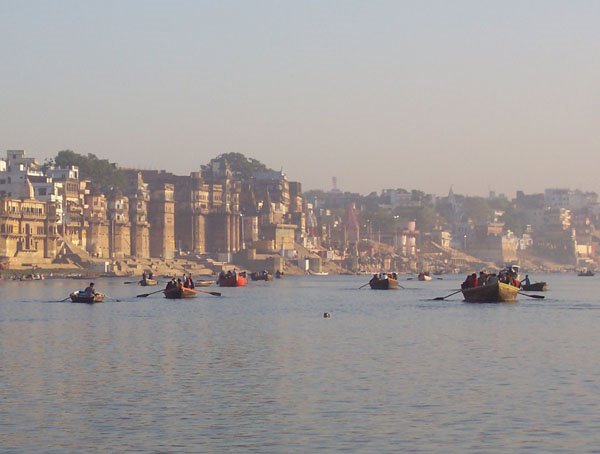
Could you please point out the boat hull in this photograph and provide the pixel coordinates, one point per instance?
(384, 284)
(77, 298)
(182, 293)
(233, 281)
(535, 287)
(148, 282)
(493, 293)
(261, 277)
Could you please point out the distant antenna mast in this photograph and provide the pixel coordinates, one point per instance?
(334, 183)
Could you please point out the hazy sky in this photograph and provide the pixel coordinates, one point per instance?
(480, 95)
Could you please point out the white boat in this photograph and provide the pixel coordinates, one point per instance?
(317, 273)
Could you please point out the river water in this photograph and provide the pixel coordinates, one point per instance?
(260, 369)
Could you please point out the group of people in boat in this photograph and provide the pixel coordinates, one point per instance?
(382, 276)
(145, 276)
(230, 274)
(508, 275)
(185, 282)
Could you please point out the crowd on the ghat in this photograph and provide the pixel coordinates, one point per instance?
(506, 275)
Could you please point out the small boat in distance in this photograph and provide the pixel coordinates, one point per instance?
(586, 272)
(203, 283)
(148, 282)
(425, 276)
(318, 273)
(261, 276)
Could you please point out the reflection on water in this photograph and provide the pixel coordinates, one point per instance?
(261, 369)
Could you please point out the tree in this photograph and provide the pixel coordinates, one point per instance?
(104, 175)
(243, 166)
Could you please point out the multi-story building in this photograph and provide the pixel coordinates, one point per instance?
(161, 214)
(139, 196)
(27, 230)
(119, 226)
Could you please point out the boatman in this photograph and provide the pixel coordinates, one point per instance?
(526, 280)
(89, 290)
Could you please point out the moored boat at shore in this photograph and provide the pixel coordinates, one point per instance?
(498, 292)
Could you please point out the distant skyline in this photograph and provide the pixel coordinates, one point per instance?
(480, 96)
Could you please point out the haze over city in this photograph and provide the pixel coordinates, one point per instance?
(475, 95)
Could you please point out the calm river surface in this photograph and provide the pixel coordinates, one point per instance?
(260, 369)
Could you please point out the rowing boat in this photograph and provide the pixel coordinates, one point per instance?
(180, 293)
(498, 292)
(81, 297)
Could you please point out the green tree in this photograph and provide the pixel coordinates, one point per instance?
(243, 166)
(104, 175)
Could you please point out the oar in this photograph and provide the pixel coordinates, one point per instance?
(210, 293)
(63, 300)
(363, 285)
(532, 296)
(144, 295)
(131, 282)
(439, 298)
(112, 298)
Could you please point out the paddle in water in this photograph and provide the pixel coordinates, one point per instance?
(532, 296)
(440, 298)
(144, 295)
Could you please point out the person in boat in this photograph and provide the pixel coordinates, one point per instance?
(150, 275)
(491, 279)
(189, 283)
(482, 278)
(526, 281)
(375, 278)
(90, 291)
(171, 284)
(144, 277)
(179, 285)
(394, 276)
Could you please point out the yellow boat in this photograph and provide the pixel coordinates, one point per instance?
(498, 292)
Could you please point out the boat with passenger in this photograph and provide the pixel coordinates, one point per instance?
(491, 288)
(176, 293)
(424, 276)
(81, 296)
(232, 279)
(384, 281)
(261, 276)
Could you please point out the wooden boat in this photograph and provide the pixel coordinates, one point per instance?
(237, 280)
(180, 293)
(261, 276)
(384, 284)
(81, 297)
(425, 276)
(586, 273)
(148, 282)
(498, 292)
(203, 283)
(535, 287)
